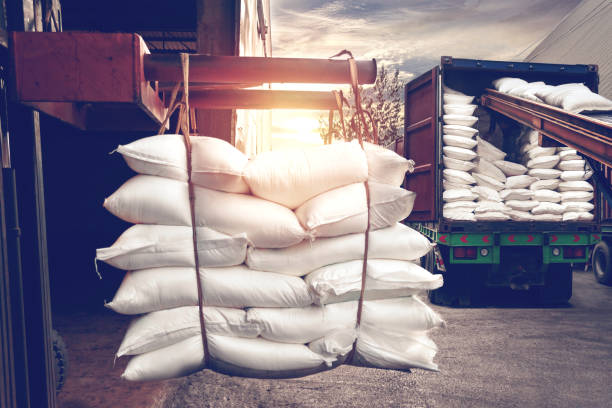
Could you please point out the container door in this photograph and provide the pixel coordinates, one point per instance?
(420, 144)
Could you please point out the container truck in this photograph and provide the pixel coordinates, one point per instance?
(483, 258)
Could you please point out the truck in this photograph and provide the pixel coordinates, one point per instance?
(483, 260)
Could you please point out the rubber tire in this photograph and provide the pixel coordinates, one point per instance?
(558, 285)
(600, 262)
(60, 354)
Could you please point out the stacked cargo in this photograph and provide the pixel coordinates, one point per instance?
(280, 240)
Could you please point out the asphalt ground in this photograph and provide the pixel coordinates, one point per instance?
(489, 357)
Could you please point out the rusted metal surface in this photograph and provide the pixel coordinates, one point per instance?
(591, 137)
(228, 69)
(420, 143)
(78, 77)
(262, 99)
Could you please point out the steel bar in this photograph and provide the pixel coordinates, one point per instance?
(261, 99)
(229, 69)
(591, 137)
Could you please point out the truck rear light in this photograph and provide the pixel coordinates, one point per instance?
(573, 252)
(464, 252)
(556, 251)
(484, 252)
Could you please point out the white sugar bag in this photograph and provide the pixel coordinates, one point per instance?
(517, 215)
(578, 216)
(459, 141)
(166, 327)
(463, 205)
(522, 205)
(447, 185)
(157, 200)
(489, 169)
(148, 290)
(396, 242)
(290, 177)
(150, 246)
(385, 166)
(344, 210)
(578, 206)
(547, 217)
(487, 181)
(457, 99)
(459, 109)
(538, 151)
(463, 120)
(551, 184)
(234, 355)
(531, 136)
(547, 195)
(487, 206)
(456, 164)
(304, 325)
(216, 164)
(516, 194)
(458, 153)
(543, 162)
(516, 182)
(458, 214)
(548, 208)
(458, 176)
(510, 168)
(572, 165)
(575, 186)
(528, 91)
(576, 98)
(576, 196)
(545, 174)
(506, 84)
(463, 194)
(492, 216)
(525, 148)
(570, 154)
(459, 130)
(486, 193)
(386, 279)
(576, 175)
(489, 151)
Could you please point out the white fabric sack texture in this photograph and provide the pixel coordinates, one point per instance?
(486, 193)
(520, 215)
(447, 185)
(578, 206)
(522, 205)
(463, 120)
(216, 164)
(548, 208)
(456, 164)
(457, 99)
(396, 242)
(578, 216)
(490, 206)
(492, 216)
(150, 246)
(462, 194)
(458, 176)
(464, 205)
(516, 182)
(543, 162)
(385, 279)
(579, 165)
(385, 166)
(545, 174)
(547, 217)
(458, 214)
(516, 194)
(489, 151)
(537, 151)
(459, 109)
(458, 153)
(291, 177)
(575, 98)
(156, 200)
(487, 168)
(510, 168)
(528, 90)
(547, 196)
(459, 130)
(575, 186)
(576, 175)
(487, 181)
(506, 84)
(551, 184)
(576, 196)
(344, 210)
(459, 141)
(570, 154)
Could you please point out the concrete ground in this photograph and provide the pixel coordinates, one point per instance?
(489, 357)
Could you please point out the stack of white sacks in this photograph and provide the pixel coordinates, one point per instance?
(280, 243)
(481, 186)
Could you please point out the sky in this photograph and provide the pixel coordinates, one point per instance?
(409, 35)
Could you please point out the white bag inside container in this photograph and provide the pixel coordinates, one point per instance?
(459, 109)
(385, 166)
(547, 217)
(516, 194)
(516, 182)
(385, 279)
(547, 196)
(572, 165)
(459, 214)
(506, 84)
(578, 206)
(576, 196)
(462, 194)
(578, 216)
(522, 205)
(550, 184)
(489, 151)
(459, 141)
(520, 215)
(490, 206)
(510, 168)
(149, 290)
(457, 164)
(538, 151)
(150, 246)
(570, 154)
(548, 208)
(457, 99)
(543, 162)
(486, 193)
(575, 186)
(492, 216)
(464, 205)
(463, 120)
(396, 242)
(291, 177)
(458, 176)
(545, 174)
(487, 181)
(447, 185)
(489, 169)
(157, 200)
(458, 153)
(459, 130)
(575, 175)
(344, 210)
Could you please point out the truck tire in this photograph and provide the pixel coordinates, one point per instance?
(558, 285)
(60, 357)
(463, 287)
(602, 267)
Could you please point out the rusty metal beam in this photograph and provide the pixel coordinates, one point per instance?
(261, 99)
(591, 137)
(229, 69)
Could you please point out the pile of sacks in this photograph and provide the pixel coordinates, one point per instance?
(280, 240)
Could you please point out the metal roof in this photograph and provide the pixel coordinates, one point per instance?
(584, 36)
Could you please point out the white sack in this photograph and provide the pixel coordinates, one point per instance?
(506, 84)
(157, 200)
(166, 327)
(538, 151)
(148, 290)
(458, 153)
(510, 168)
(486, 193)
(548, 208)
(458, 214)
(459, 141)
(487, 181)
(459, 109)
(545, 174)
(578, 206)
(531, 136)
(463, 120)
(344, 210)
(543, 162)
(459, 130)
(570, 154)
(385, 166)
(490, 170)
(463, 205)
(447, 185)
(458, 195)
(551, 184)
(457, 99)
(150, 246)
(522, 205)
(492, 216)
(385, 279)
(547, 196)
(520, 215)
(575, 186)
(489, 151)
(576, 196)
(457, 164)
(458, 176)
(548, 217)
(290, 177)
(516, 194)
(516, 182)
(576, 175)
(572, 165)
(216, 164)
(578, 216)
(489, 206)
(397, 242)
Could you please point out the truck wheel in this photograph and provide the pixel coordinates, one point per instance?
(61, 360)
(462, 287)
(558, 285)
(602, 267)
